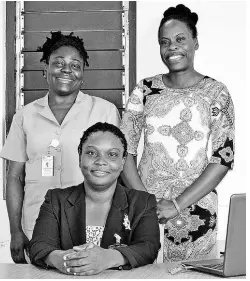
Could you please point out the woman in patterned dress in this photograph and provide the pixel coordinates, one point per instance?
(181, 113)
(98, 224)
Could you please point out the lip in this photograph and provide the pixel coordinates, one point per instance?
(99, 173)
(174, 57)
(64, 80)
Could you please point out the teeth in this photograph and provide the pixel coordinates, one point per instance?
(99, 172)
(64, 79)
(175, 57)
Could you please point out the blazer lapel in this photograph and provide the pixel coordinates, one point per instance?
(114, 223)
(75, 209)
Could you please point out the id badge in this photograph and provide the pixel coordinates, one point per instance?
(47, 166)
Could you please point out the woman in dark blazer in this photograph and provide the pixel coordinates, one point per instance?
(99, 224)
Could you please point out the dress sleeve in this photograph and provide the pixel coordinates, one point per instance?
(133, 118)
(14, 148)
(222, 130)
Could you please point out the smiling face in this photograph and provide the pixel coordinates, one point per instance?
(65, 71)
(102, 160)
(177, 46)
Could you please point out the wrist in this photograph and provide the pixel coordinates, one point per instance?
(16, 231)
(52, 258)
(177, 207)
(114, 258)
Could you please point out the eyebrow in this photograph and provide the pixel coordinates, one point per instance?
(182, 33)
(61, 57)
(92, 146)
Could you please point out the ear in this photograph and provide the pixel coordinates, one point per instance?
(45, 70)
(123, 162)
(196, 44)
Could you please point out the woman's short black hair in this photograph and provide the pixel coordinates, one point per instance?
(103, 127)
(181, 13)
(58, 40)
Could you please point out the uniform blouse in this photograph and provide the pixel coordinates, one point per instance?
(32, 130)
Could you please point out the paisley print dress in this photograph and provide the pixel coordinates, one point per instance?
(184, 131)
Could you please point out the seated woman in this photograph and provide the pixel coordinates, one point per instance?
(99, 224)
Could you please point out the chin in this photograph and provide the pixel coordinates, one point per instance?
(100, 183)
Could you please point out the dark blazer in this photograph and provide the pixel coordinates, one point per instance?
(62, 221)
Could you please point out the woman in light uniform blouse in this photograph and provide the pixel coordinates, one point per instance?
(44, 135)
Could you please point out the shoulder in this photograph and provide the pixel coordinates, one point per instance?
(29, 108)
(215, 84)
(59, 195)
(97, 101)
(149, 81)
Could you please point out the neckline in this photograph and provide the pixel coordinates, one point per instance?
(186, 88)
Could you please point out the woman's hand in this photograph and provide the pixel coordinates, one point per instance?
(56, 259)
(88, 259)
(166, 210)
(18, 244)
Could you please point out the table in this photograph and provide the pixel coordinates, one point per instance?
(151, 271)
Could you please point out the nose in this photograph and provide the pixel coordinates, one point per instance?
(100, 161)
(66, 68)
(172, 46)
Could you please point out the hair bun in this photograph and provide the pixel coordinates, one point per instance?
(182, 11)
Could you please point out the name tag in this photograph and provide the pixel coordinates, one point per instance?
(47, 166)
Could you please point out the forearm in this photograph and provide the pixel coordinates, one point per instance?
(115, 258)
(204, 184)
(14, 202)
(130, 174)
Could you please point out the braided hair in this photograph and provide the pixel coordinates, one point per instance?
(181, 13)
(103, 127)
(58, 40)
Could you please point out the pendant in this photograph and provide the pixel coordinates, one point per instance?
(54, 143)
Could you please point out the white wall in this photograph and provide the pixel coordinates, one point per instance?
(222, 55)
(2, 84)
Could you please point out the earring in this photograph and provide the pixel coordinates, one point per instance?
(44, 74)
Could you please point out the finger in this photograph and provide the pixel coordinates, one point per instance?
(87, 273)
(160, 215)
(76, 255)
(76, 262)
(82, 270)
(163, 220)
(18, 256)
(84, 247)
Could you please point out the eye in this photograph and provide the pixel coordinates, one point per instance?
(76, 66)
(91, 153)
(58, 63)
(113, 154)
(180, 39)
(164, 42)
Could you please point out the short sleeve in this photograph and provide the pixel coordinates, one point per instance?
(133, 117)
(14, 148)
(223, 130)
(114, 117)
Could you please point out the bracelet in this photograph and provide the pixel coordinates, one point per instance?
(176, 206)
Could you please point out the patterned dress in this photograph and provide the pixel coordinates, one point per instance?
(181, 128)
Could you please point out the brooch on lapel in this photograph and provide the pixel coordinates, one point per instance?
(117, 239)
(126, 222)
